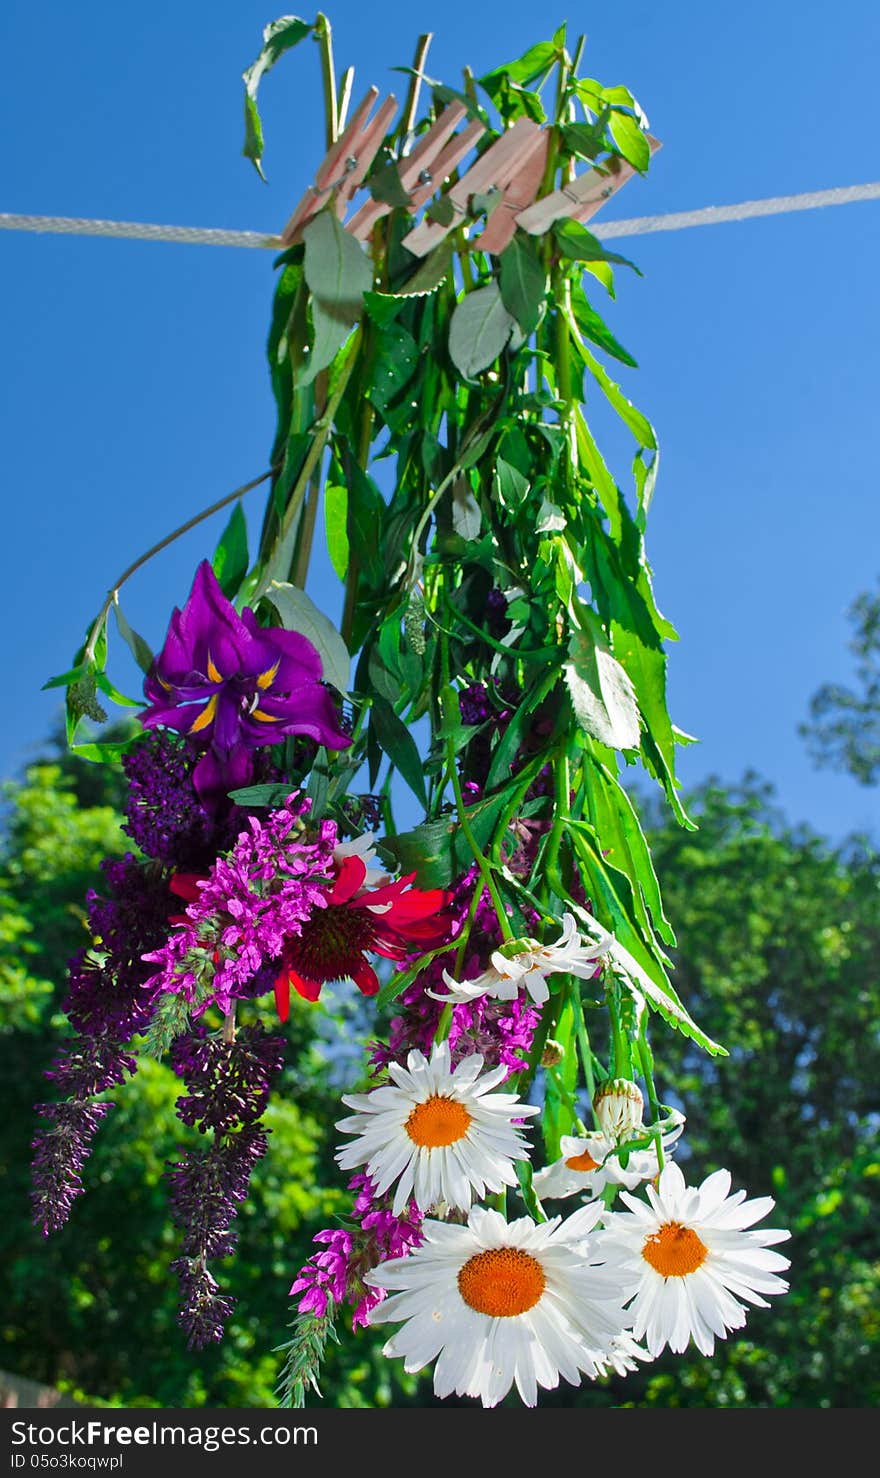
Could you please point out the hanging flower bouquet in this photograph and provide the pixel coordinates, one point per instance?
(498, 602)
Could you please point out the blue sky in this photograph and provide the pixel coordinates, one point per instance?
(136, 392)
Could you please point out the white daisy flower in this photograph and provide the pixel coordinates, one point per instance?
(500, 1303)
(592, 1162)
(442, 1135)
(624, 1355)
(529, 967)
(686, 1260)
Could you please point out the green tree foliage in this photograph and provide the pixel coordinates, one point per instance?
(844, 732)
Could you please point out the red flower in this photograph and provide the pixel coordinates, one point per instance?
(389, 920)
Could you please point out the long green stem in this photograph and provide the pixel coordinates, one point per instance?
(184, 528)
(324, 36)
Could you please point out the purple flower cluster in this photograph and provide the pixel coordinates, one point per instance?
(228, 1086)
(107, 1004)
(106, 982)
(338, 1273)
(207, 1187)
(62, 1144)
(228, 1082)
(252, 900)
(501, 1031)
(164, 814)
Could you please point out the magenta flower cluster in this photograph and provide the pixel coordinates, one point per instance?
(336, 1276)
(252, 900)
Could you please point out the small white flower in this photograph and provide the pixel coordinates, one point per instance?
(686, 1260)
(620, 1109)
(441, 1135)
(592, 1162)
(498, 1303)
(529, 967)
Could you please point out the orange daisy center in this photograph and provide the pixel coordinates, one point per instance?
(675, 1251)
(583, 1162)
(502, 1282)
(437, 1122)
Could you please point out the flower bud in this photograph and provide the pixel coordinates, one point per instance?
(552, 1054)
(619, 1107)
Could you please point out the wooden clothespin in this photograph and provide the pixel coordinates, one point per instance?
(516, 195)
(341, 161)
(434, 156)
(581, 199)
(500, 164)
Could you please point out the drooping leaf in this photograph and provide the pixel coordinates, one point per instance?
(133, 640)
(593, 327)
(479, 330)
(278, 37)
(298, 612)
(580, 245)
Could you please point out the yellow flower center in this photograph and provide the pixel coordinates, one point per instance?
(675, 1251)
(438, 1121)
(501, 1283)
(583, 1162)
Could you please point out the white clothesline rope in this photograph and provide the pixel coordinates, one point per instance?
(710, 215)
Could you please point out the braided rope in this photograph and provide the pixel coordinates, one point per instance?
(710, 215)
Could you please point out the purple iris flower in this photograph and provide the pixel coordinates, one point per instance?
(235, 686)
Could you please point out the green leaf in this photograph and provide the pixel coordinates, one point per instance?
(396, 358)
(298, 612)
(526, 69)
(510, 483)
(260, 795)
(278, 37)
(104, 754)
(593, 327)
(399, 745)
(336, 526)
(433, 270)
(631, 416)
(332, 327)
(385, 185)
(586, 140)
(630, 140)
(602, 693)
(230, 560)
(366, 511)
(479, 330)
(580, 245)
(467, 520)
(337, 269)
(383, 308)
(523, 281)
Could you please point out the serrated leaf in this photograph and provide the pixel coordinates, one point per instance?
(602, 693)
(523, 281)
(278, 37)
(298, 612)
(479, 330)
(230, 560)
(595, 328)
(630, 414)
(383, 308)
(433, 270)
